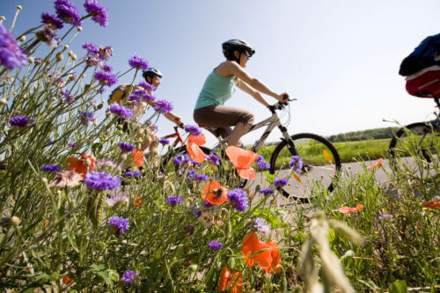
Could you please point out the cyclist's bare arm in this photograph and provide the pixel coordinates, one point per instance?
(249, 90)
(228, 68)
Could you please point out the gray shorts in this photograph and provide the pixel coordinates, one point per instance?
(219, 119)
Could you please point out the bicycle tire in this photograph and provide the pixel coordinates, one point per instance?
(418, 128)
(316, 144)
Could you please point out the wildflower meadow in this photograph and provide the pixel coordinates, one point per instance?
(89, 204)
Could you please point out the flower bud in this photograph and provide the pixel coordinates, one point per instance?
(72, 55)
(2, 18)
(59, 57)
(19, 7)
(79, 28)
(3, 101)
(31, 60)
(15, 220)
(66, 47)
(22, 39)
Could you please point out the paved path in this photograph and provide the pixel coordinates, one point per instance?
(347, 168)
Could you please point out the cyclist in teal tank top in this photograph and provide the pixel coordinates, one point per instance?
(209, 111)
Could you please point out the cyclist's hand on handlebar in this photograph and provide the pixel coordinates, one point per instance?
(283, 98)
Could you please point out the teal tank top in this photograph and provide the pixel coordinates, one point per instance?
(216, 90)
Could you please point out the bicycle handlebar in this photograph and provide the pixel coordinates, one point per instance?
(280, 105)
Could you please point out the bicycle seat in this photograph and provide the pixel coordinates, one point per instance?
(425, 83)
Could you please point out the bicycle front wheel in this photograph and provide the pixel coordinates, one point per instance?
(317, 162)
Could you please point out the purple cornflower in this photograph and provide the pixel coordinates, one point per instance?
(106, 78)
(132, 173)
(134, 98)
(266, 191)
(50, 168)
(196, 212)
(51, 20)
(11, 54)
(261, 225)
(87, 117)
(128, 277)
(105, 53)
(201, 177)
(114, 199)
(19, 120)
(126, 147)
(97, 11)
(280, 182)
(262, 164)
(296, 163)
(68, 98)
(101, 181)
(195, 164)
(215, 244)
(174, 200)
(107, 68)
(138, 63)
(213, 159)
(192, 129)
(163, 106)
(164, 141)
(239, 199)
(67, 12)
(48, 36)
(191, 175)
(120, 224)
(181, 159)
(147, 86)
(207, 204)
(92, 49)
(121, 111)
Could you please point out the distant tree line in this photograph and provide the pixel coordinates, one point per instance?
(376, 133)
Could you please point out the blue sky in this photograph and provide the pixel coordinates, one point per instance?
(339, 58)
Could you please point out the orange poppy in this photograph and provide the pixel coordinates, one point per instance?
(376, 164)
(195, 152)
(138, 157)
(214, 193)
(82, 165)
(197, 139)
(242, 161)
(432, 204)
(265, 254)
(233, 282)
(67, 280)
(351, 210)
(137, 202)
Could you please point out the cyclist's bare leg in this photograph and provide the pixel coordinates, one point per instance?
(239, 130)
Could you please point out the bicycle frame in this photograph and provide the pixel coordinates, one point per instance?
(271, 123)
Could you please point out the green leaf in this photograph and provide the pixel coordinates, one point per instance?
(399, 286)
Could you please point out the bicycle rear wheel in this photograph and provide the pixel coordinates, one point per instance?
(320, 165)
(415, 139)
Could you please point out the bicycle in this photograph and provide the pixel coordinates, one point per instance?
(320, 158)
(421, 138)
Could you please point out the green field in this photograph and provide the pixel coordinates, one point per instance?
(350, 151)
